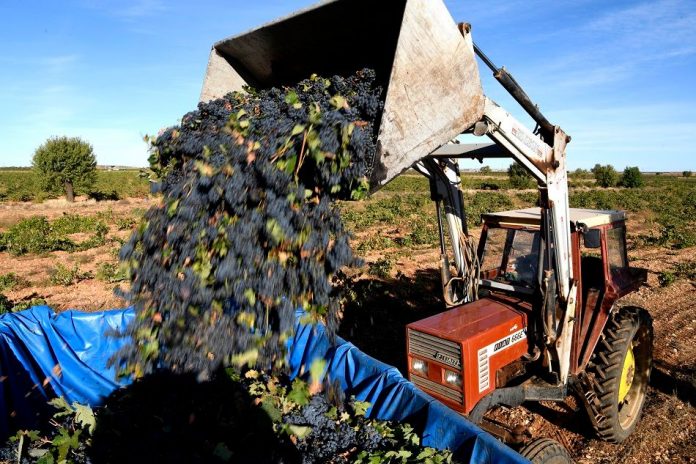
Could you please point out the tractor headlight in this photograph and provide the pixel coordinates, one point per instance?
(420, 367)
(453, 378)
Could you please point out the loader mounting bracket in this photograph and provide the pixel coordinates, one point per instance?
(531, 390)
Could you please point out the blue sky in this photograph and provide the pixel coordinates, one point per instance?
(618, 76)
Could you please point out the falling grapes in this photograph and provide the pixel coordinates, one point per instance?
(247, 231)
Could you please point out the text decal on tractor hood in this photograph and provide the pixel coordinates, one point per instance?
(496, 347)
(443, 358)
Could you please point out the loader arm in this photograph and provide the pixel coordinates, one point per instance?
(543, 154)
(547, 164)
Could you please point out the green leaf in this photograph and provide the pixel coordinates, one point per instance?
(299, 394)
(332, 413)
(171, 209)
(85, 417)
(32, 435)
(249, 357)
(37, 452)
(65, 441)
(300, 431)
(290, 164)
(250, 296)
(275, 230)
(292, 98)
(339, 102)
(245, 318)
(316, 370)
(46, 459)
(205, 169)
(298, 129)
(204, 269)
(272, 411)
(62, 406)
(426, 453)
(361, 407)
(223, 452)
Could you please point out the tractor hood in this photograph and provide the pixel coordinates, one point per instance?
(469, 320)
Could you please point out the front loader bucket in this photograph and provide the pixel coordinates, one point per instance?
(422, 60)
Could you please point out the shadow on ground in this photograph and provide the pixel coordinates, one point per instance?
(675, 380)
(375, 321)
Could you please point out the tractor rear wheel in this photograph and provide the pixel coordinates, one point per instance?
(546, 451)
(621, 366)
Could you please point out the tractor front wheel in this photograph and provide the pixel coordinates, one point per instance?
(621, 365)
(546, 451)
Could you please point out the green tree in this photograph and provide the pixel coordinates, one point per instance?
(519, 177)
(65, 163)
(686, 173)
(485, 170)
(606, 176)
(632, 177)
(580, 173)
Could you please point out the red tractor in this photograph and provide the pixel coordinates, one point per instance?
(490, 351)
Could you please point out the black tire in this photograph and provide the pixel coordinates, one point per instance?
(629, 327)
(546, 451)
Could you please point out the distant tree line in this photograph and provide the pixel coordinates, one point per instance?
(605, 176)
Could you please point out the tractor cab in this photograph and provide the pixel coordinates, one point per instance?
(510, 263)
(510, 260)
(491, 351)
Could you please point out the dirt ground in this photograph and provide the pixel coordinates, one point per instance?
(89, 294)
(667, 432)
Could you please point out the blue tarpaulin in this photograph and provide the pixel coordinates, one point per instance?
(44, 354)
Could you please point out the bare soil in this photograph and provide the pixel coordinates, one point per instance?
(34, 271)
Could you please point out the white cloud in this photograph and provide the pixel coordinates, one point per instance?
(609, 47)
(637, 36)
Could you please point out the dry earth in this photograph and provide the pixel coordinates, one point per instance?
(89, 294)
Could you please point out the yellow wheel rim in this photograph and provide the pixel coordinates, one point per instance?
(629, 369)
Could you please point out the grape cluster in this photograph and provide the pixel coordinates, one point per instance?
(332, 438)
(246, 231)
(8, 454)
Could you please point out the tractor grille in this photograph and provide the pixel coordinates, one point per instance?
(435, 348)
(441, 390)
